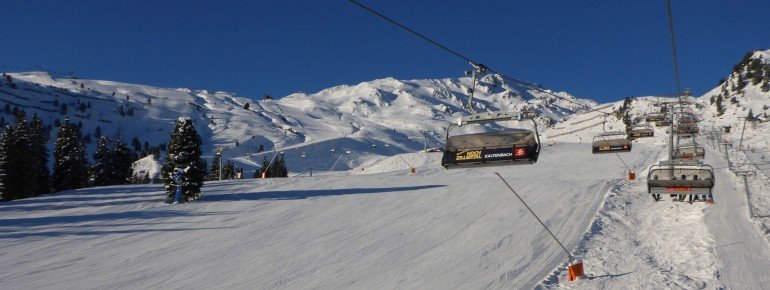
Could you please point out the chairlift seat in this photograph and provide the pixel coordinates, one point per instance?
(654, 118)
(663, 179)
(617, 142)
(508, 147)
(690, 152)
(641, 132)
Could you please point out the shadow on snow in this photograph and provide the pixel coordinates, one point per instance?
(304, 194)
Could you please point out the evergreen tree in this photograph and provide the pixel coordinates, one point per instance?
(137, 145)
(21, 179)
(102, 170)
(155, 151)
(246, 106)
(281, 170)
(39, 136)
(720, 108)
(273, 170)
(184, 151)
(98, 132)
(70, 170)
(265, 168)
(123, 161)
(214, 169)
(4, 165)
(228, 172)
(2, 170)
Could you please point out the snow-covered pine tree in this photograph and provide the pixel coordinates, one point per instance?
(4, 166)
(21, 178)
(39, 136)
(228, 172)
(273, 170)
(280, 167)
(102, 169)
(214, 169)
(265, 168)
(70, 168)
(184, 151)
(122, 160)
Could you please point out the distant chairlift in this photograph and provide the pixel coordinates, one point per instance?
(687, 119)
(506, 147)
(689, 152)
(611, 142)
(654, 117)
(641, 131)
(685, 130)
(681, 178)
(663, 123)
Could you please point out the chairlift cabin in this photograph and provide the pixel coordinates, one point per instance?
(505, 147)
(650, 118)
(687, 131)
(689, 152)
(303, 155)
(687, 119)
(611, 142)
(680, 177)
(644, 131)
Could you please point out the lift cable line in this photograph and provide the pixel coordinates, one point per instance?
(480, 67)
(536, 217)
(473, 63)
(413, 32)
(673, 45)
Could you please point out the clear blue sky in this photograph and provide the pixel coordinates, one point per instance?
(605, 50)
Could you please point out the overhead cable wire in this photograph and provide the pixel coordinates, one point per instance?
(673, 45)
(474, 63)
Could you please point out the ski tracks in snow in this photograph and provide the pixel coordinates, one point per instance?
(635, 243)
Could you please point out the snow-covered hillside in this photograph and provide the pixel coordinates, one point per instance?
(371, 120)
(379, 226)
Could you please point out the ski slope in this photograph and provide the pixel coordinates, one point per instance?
(636, 243)
(433, 229)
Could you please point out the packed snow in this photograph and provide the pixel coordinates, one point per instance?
(353, 216)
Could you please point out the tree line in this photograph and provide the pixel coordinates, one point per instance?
(24, 169)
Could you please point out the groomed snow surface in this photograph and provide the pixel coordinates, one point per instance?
(433, 229)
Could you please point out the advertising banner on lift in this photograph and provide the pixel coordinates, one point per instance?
(613, 148)
(507, 153)
(495, 154)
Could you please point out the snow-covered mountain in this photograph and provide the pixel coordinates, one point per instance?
(361, 124)
(747, 88)
(434, 228)
(369, 120)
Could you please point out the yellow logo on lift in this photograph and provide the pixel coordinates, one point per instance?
(468, 155)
